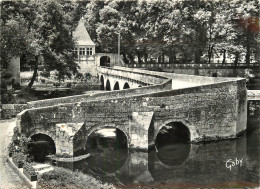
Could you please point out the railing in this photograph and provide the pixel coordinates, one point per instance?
(187, 66)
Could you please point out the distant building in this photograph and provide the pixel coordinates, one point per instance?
(85, 49)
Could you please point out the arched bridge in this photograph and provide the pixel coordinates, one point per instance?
(210, 108)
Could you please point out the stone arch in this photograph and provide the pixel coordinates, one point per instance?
(105, 61)
(43, 132)
(102, 81)
(90, 131)
(158, 125)
(126, 86)
(174, 125)
(45, 137)
(178, 133)
(108, 86)
(103, 149)
(116, 86)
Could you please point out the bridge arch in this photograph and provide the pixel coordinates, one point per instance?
(126, 86)
(116, 86)
(92, 130)
(157, 126)
(177, 130)
(105, 61)
(172, 141)
(106, 143)
(44, 137)
(40, 149)
(108, 86)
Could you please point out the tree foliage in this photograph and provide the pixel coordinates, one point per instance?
(41, 33)
(184, 31)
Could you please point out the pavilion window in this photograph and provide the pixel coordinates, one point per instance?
(81, 51)
(89, 51)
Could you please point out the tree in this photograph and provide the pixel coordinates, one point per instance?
(192, 30)
(44, 33)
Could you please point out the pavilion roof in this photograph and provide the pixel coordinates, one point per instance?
(81, 35)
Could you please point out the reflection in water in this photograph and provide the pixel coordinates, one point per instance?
(108, 149)
(185, 165)
(174, 154)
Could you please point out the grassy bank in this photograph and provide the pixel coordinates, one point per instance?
(63, 178)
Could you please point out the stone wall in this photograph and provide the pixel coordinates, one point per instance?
(11, 110)
(66, 134)
(221, 70)
(132, 74)
(101, 95)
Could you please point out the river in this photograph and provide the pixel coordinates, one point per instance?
(225, 163)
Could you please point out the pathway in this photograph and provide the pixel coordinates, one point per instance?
(8, 178)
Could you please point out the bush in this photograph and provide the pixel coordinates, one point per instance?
(57, 84)
(28, 167)
(45, 74)
(19, 157)
(63, 178)
(16, 85)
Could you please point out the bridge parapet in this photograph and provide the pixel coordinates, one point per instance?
(101, 95)
(150, 79)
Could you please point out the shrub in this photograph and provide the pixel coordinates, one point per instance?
(45, 74)
(69, 84)
(28, 167)
(56, 84)
(19, 157)
(63, 178)
(16, 85)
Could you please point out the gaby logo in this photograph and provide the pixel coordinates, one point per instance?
(236, 162)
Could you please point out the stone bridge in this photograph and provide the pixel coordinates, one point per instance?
(210, 108)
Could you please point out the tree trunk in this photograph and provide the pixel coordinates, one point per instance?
(145, 57)
(197, 57)
(170, 58)
(247, 53)
(174, 57)
(34, 73)
(236, 59)
(125, 58)
(210, 53)
(159, 59)
(162, 57)
(224, 56)
(139, 58)
(131, 58)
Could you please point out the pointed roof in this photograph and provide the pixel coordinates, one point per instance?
(81, 34)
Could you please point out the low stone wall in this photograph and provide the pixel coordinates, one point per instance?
(101, 95)
(221, 70)
(147, 78)
(11, 110)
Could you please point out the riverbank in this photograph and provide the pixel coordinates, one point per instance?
(12, 177)
(9, 178)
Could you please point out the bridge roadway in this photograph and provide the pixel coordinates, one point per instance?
(211, 108)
